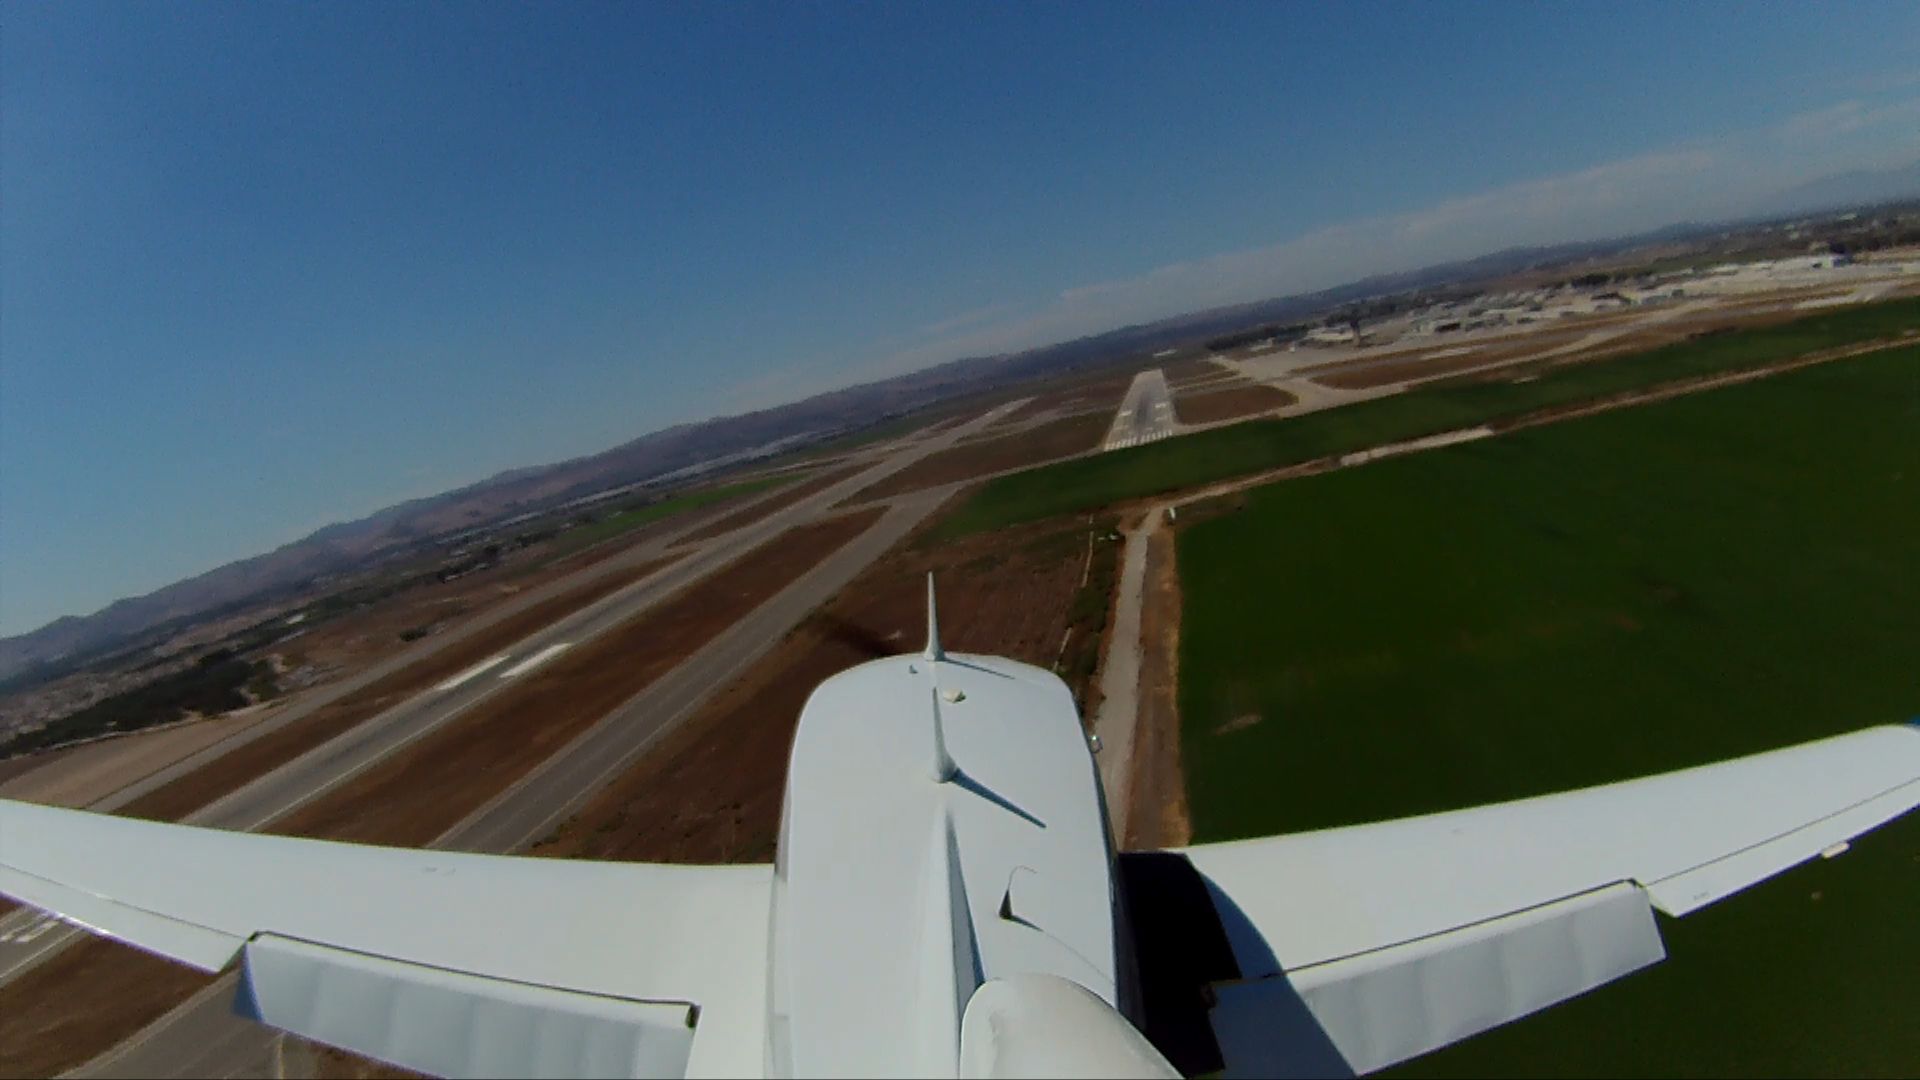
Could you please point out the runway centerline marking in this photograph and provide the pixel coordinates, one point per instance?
(40, 926)
(536, 660)
(473, 672)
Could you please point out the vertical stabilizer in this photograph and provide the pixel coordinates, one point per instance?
(933, 625)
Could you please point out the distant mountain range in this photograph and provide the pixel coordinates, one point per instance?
(1858, 188)
(353, 545)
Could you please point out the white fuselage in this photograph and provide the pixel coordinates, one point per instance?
(898, 894)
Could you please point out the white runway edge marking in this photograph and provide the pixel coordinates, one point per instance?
(472, 672)
(536, 660)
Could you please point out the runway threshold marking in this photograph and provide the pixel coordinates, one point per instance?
(1135, 440)
(536, 660)
(475, 671)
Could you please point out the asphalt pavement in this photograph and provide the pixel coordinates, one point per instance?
(1119, 713)
(1145, 414)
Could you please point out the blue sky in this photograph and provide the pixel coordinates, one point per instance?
(266, 266)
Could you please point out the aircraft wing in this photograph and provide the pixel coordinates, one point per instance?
(1396, 938)
(450, 964)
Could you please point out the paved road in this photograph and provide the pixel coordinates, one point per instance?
(27, 938)
(1119, 712)
(1146, 413)
(202, 1037)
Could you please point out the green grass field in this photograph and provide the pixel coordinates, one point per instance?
(1255, 446)
(1614, 596)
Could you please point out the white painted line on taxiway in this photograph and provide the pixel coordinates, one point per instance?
(33, 930)
(536, 660)
(473, 672)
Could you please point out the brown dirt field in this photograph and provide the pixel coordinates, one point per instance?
(1158, 817)
(1241, 399)
(1251, 352)
(1054, 439)
(965, 411)
(352, 639)
(97, 992)
(1518, 340)
(1098, 392)
(346, 642)
(1025, 412)
(780, 501)
(1035, 406)
(1005, 428)
(1192, 369)
(1347, 363)
(207, 783)
(1189, 386)
(1427, 367)
(61, 1013)
(419, 793)
(711, 791)
(20, 766)
(85, 773)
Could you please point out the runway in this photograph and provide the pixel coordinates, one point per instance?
(1145, 415)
